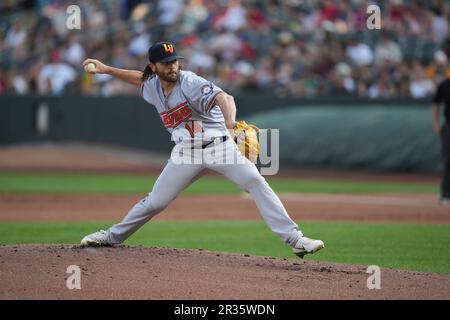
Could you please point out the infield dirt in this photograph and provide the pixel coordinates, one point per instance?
(39, 272)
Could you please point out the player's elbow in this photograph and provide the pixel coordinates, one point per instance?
(229, 97)
(224, 96)
(222, 101)
(221, 97)
(228, 100)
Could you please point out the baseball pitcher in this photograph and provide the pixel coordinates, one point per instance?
(201, 119)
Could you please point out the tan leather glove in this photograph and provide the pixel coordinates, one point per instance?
(246, 137)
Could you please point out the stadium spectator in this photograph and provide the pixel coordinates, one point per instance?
(420, 86)
(359, 53)
(297, 48)
(387, 51)
(55, 76)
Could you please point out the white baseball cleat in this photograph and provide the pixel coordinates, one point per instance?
(96, 239)
(306, 245)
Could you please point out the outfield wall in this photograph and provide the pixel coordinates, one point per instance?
(376, 138)
(386, 135)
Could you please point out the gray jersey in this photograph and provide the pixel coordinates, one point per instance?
(188, 112)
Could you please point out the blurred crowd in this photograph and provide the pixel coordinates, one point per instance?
(300, 48)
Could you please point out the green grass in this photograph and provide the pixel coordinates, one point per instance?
(401, 246)
(132, 184)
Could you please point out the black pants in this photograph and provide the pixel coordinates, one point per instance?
(445, 140)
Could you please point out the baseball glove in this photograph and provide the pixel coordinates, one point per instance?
(246, 137)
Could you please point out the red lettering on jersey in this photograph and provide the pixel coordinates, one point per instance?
(175, 116)
(185, 111)
(166, 120)
(173, 109)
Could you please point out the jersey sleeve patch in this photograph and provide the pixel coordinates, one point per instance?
(206, 89)
(200, 92)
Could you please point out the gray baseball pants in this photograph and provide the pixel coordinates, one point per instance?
(223, 158)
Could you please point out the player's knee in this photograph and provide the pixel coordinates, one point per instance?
(158, 205)
(255, 181)
(154, 204)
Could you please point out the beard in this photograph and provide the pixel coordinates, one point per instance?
(171, 76)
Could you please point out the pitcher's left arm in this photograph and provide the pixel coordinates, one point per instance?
(228, 106)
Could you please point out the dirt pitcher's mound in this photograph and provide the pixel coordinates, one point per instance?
(40, 272)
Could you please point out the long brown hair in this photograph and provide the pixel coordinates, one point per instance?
(147, 73)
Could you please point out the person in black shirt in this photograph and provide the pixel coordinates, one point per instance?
(443, 95)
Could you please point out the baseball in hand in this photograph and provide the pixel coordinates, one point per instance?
(90, 67)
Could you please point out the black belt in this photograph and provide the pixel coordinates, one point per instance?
(222, 139)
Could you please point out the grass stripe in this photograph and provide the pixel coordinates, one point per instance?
(133, 184)
(400, 246)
